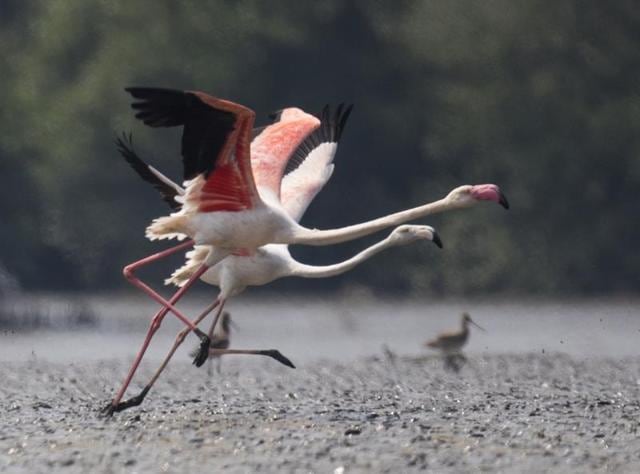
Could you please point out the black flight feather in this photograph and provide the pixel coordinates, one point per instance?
(168, 193)
(206, 128)
(330, 131)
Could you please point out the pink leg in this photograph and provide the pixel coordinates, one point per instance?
(157, 319)
(215, 257)
(155, 324)
(137, 400)
(130, 275)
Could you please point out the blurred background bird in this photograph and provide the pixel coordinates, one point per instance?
(450, 344)
(221, 340)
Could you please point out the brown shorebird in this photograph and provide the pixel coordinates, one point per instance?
(451, 343)
(220, 340)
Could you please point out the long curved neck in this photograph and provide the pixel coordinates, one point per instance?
(324, 271)
(343, 234)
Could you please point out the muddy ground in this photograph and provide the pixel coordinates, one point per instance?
(526, 413)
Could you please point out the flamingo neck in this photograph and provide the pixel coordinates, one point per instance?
(325, 271)
(343, 234)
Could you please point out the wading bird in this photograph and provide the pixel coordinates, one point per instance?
(270, 262)
(233, 198)
(221, 339)
(277, 139)
(450, 344)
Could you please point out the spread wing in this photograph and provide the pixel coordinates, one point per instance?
(273, 146)
(310, 166)
(167, 188)
(215, 145)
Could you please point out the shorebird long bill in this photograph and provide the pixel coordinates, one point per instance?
(476, 325)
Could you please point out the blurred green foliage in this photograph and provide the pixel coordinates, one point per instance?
(538, 96)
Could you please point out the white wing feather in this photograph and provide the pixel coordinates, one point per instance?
(299, 187)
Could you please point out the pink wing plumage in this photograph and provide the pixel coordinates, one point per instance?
(273, 147)
(311, 165)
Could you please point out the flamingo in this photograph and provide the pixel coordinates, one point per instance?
(270, 262)
(232, 208)
(278, 137)
(233, 199)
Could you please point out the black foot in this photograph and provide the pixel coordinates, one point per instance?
(203, 353)
(275, 354)
(110, 409)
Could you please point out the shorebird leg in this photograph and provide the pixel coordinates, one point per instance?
(155, 324)
(454, 361)
(137, 400)
(451, 362)
(203, 352)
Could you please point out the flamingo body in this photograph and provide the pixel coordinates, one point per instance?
(245, 229)
(308, 170)
(273, 261)
(235, 204)
(224, 194)
(235, 273)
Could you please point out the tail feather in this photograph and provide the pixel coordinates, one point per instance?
(168, 227)
(195, 258)
(434, 344)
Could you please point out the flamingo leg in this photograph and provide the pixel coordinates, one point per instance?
(215, 256)
(137, 400)
(273, 353)
(155, 324)
(129, 274)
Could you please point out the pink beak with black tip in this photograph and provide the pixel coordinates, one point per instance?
(489, 192)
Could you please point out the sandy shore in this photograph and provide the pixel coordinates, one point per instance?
(503, 413)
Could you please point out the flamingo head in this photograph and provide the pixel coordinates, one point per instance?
(469, 195)
(405, 234)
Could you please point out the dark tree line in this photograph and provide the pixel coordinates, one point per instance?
(541, 97)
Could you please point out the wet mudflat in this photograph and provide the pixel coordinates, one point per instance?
(533, 412)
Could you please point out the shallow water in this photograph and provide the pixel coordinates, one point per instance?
(337, 329)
